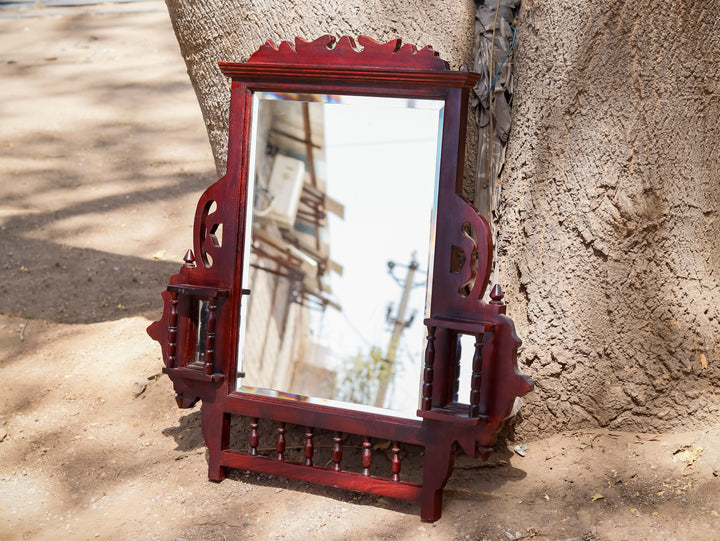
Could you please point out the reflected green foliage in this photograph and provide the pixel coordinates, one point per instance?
(361, 380)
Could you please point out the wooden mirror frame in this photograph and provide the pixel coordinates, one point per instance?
(459, 278)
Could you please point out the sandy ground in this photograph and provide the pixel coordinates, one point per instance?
(103, 154)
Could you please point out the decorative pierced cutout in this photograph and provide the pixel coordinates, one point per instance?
(210, 232)
(457, 259)
(472, 262)
(328, 49)
(216, 235)
(207, 259)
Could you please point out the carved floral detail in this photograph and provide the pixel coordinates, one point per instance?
(329, 50)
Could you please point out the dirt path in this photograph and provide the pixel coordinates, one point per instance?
(102, 156)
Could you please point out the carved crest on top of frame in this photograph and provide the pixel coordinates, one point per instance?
(329, 50)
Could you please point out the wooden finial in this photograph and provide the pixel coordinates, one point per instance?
(484, 452)
(189, 258)
(496, 295)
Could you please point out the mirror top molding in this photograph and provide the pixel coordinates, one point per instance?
(343, 60)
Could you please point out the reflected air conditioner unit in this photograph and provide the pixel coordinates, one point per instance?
(286, 181)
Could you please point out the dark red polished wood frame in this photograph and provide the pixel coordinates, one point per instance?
(461, 267)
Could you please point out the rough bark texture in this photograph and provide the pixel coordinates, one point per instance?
(609, 229)
(492, 103)
(492, 96)
(213, 31)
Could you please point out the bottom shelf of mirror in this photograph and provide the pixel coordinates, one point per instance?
(453, 413)
(192, 374)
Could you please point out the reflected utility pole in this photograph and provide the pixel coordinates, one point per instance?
(399, 325)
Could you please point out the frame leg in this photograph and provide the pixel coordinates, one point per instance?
(216, 431)
(438, 466)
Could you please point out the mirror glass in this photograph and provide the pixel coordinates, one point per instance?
(343, 195)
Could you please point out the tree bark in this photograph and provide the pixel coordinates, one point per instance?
(212, 31)
(609, 226)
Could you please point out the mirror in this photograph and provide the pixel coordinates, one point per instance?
(343, 193)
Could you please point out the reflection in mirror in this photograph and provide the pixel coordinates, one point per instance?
(202, 318)
(464, 377)
(342, 191)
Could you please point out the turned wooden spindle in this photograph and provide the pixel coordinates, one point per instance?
(210, 338)
(428, 373)
(254, 437)
(366, 457)
(172, 330)
(476, 378)
(280, 447)
(337, 452)
(309, 447)
(395, 463)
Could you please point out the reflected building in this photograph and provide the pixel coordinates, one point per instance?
(289, 258)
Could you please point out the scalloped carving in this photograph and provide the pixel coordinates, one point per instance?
(328, 50)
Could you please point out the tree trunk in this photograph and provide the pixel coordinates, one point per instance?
(212, 31)
(609, 226)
